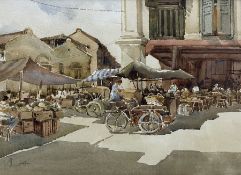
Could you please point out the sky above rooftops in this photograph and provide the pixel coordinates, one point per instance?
(100, 18)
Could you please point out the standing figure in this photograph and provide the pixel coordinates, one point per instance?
(195, 89)
(173, 88)
(115, 91)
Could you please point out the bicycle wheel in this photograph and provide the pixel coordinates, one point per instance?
(94, 109)
(149, 123)
(116, 122)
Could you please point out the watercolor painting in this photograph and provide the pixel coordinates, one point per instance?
(107, 87)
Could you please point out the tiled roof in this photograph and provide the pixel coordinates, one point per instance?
(10, 36)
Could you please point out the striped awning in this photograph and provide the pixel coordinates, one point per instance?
(101, 74)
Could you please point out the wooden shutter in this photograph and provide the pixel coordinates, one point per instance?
(207, 13)
(182, 22)
(153, 20)
(224, 25)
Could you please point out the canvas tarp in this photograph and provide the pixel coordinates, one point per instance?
(32, 73)
(11, 68)
(138, 69)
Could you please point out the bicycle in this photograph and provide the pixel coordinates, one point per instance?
(149, 118)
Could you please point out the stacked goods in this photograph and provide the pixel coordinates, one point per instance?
(55, 121)
(41, 118)
(155, 100)
(43, 128)
(55, 125)
(67, 103)
(5, 107)
(26, 124)
(43, 123)
(46, 123)
(131, 93)
(58, 114)
(102, 91)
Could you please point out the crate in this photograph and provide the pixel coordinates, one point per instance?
(55, 125)
(42, 115)
(28, 126)
(58, 114)
(18, 129)
(43, 128)
(67, 103)
(25, 115)
(25, 127)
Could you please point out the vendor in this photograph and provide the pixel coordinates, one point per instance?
(160, 89)
(115, 91)
(216, 87)
(195, 89)
(173, 88)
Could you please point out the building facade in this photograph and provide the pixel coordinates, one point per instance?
(101, 57)
(73, 61)
(198, 36)
(85, 43)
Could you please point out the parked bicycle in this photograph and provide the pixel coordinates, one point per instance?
(149, 118)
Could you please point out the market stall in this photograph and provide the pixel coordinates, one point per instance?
(151, 117)
(39, 116)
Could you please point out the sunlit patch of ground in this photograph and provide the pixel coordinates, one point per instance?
(219, 135)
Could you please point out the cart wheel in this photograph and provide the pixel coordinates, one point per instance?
(116, 122)
(94, 109)
(149, 123)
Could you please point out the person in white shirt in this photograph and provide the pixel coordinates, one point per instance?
(173, 88)
(216, 87)
(195, 89)
(115, 91)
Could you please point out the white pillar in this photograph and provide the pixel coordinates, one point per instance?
(132, 41)
(192, 22)
(237, 19)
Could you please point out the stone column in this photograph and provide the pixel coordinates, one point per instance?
(132, 40)
(192, 21)
(237, 19)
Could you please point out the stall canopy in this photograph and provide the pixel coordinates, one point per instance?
(9, 69)
(32, 73)
(101, 74)
(138, 69)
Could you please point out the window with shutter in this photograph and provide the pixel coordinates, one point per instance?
(224, 26)
(153, 23)
(216, 17)
(207, 13)
(166, 21)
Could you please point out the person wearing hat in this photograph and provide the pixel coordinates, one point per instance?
(115, 91)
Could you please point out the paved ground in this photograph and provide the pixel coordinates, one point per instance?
(61, 158)
(214, 149)
(26, 141)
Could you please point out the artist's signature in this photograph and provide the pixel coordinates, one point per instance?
(15, 163)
